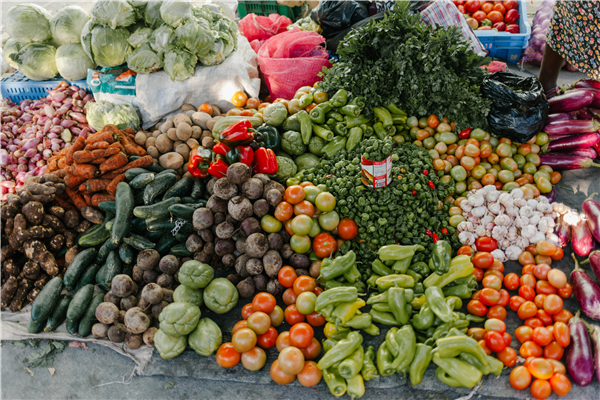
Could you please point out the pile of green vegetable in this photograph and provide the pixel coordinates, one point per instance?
(423, 70)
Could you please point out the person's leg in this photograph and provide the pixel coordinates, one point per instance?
(551, 64)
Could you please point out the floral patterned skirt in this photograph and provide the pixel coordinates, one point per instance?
(574, 33)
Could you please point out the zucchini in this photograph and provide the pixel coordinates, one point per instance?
(138, 225)
(133, 172)
(156, 167)
(80, 302)
(140, 181)
(89, 318)
(188, 200)
(180, 250)
(154, 237)
(47, 299)
(160, 224)
(59, 314)
(158, 186)
(155, 210)
(139, 242)
(198, 189)
(35, 326)
(165, 172)
(106, 248)
(99, 235)
(108, 206)
(122, 224)
(181, 237)
(185, 211)
(138, 198)
(164, 244)
(133, 158)
(78, 266)
(179, 189)
(89, 276)
(108, 227)
(109, 270)
(72, 326)
(126, 253)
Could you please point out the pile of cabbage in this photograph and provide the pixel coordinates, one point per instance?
(149, 36)
(41, 45)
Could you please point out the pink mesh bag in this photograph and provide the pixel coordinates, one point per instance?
(291, 60)
(255, 27)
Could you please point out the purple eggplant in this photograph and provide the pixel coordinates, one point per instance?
(594, 331)
(571, 127)
(574, 142)
(591, 209)
(589, 153)
(579, 358)
(563, 232)
(587, 83)
(570, 101)
(586, 290)
(594, 261)
(588, 114)
(565, 161)
(558, 117)
(581, 238)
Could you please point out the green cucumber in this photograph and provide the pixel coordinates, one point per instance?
(127, 269)
(62, 252)
(181, 237)
(89, 276)
(72, 326)
(59, 314)
(165, 243)
(157, 210)
(122, 224)
(198, 189)
(138, 198)
(188, 200)
(180, 250)
(138, 225)
(47, 299)
(35, 326)
(160, 224)
(106, 248)
(99, 235)
(108, 206)
(80, 302)
(108, 227)
(158, 186)
(89, 318)
(154, 237)
(130, 174)
(185, 211)
(139, 242)
(109, 270)
(165, 172)
(133, 158)
(156, 167)
(126, 253)
(179, 189)
(81, 261)
(140, 181)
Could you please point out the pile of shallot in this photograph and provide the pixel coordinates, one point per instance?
(34, 130)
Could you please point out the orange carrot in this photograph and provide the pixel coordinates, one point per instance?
(94, 185)
(112, 187)
(63, 152)
(132, 148)
(114, 162)
(62, 163)
(86, 156)
(78, 145)
(142, 162)
(72, 181)
(88, 198)
(86, 171)
(78, 201)
(52, 165)
(96, 146)
(107, 134)
(109, 175)
(98, 161)
(118, 145)
(129, 131)
(100, 197)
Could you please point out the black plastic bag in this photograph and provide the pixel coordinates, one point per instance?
(335, 16)
(519, 107)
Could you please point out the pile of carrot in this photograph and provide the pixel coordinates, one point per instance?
(92, 167)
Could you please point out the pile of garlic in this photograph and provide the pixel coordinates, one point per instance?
(515, 222)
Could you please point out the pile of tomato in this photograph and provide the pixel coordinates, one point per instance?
(488, 15)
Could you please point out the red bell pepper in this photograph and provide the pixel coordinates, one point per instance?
(221, 148)
(238, 134)
(513, 28)
(242, 154)
(265, 161)
(218, 168)
(199, 162)
(501, 26)
(511, 16)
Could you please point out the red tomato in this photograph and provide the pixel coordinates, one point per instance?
(301, 335)
(324, 245)
(494, 341)
(561, 334)
(304, 283)
(289, 297)
(292, 316)
(527, 292)
(563, 316)
(534, 322)
(495, 16)
(511, 281)
(312, 351)
(520, 378)
(566, 291)
(515, 302)
(554, 351)
(497, 312)
(543, 316)
(472, 5)
(529, 349)
(560, 384)
(508, 357)
(268, 339)
(247, 310)
(514, 28)
(294, 194)
(504, 298)
(510, 4)
(489, 296)
(541, 336)
(264, 302)
(483, 260)
(484, 347)
(227, 357)
(478, 273)
(347, 229)
(476, 307)
(507, 338)
(479, 16)
(287, 276)
(527, 310)
(523, 333)
(315, 319)
(500, 8)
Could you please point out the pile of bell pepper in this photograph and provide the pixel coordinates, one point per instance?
(341, 271)
(239, 143)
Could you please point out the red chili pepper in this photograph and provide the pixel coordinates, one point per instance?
(425, 172)
(431, 185)
(265, 161)
(435, 237)
(221, 148)
(464, 134)
(218, 169)
(238, 134)
(444, 231)
(414, 192)
(428, 232)
(199, 162)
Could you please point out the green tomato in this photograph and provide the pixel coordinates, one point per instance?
(270, 224)
(433, 154)
(462, 142)
(510, 186)
(448, 137)
(316, 228)
(478, 134)
(520, 160)
(533, 158)
(322, 187)
(305, 302)
(429, 143)
(412, 121)
(509, 164)
(455, 220)
(478, 172)
(437, 137)
(529, 168)
(504, 150)
(506, 176)
(544, 185)
(493, 171)
(446, 179)
(460, 187)
(485, 165)
(311, 193)
(494, 141)
(458, 173)
(302, 224)
(413, 132)
(541, 138)
(513, 148)
(325, 202)
(423, 122)
(300, 243)
(546, 168)
(329, 220)
(541, 174)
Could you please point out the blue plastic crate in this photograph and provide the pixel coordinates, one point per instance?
(508, 46)
(18, 87)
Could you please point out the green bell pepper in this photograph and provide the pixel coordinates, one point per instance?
(420, 363)
(354, 137)
(441, 256)
(393, 108)
(270, 137)
(379, 268)
(341, 350)
(360, 321)
(384, 116)
(369, 371)
(335, 115)
(337, 144)
(384, 318)
(306, 126)
(340, 129)
(323, 133)
(380, 130)
(350, 110)
(339, 99)
(317, 114)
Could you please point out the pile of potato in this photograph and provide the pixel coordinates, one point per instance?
(171, 141)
